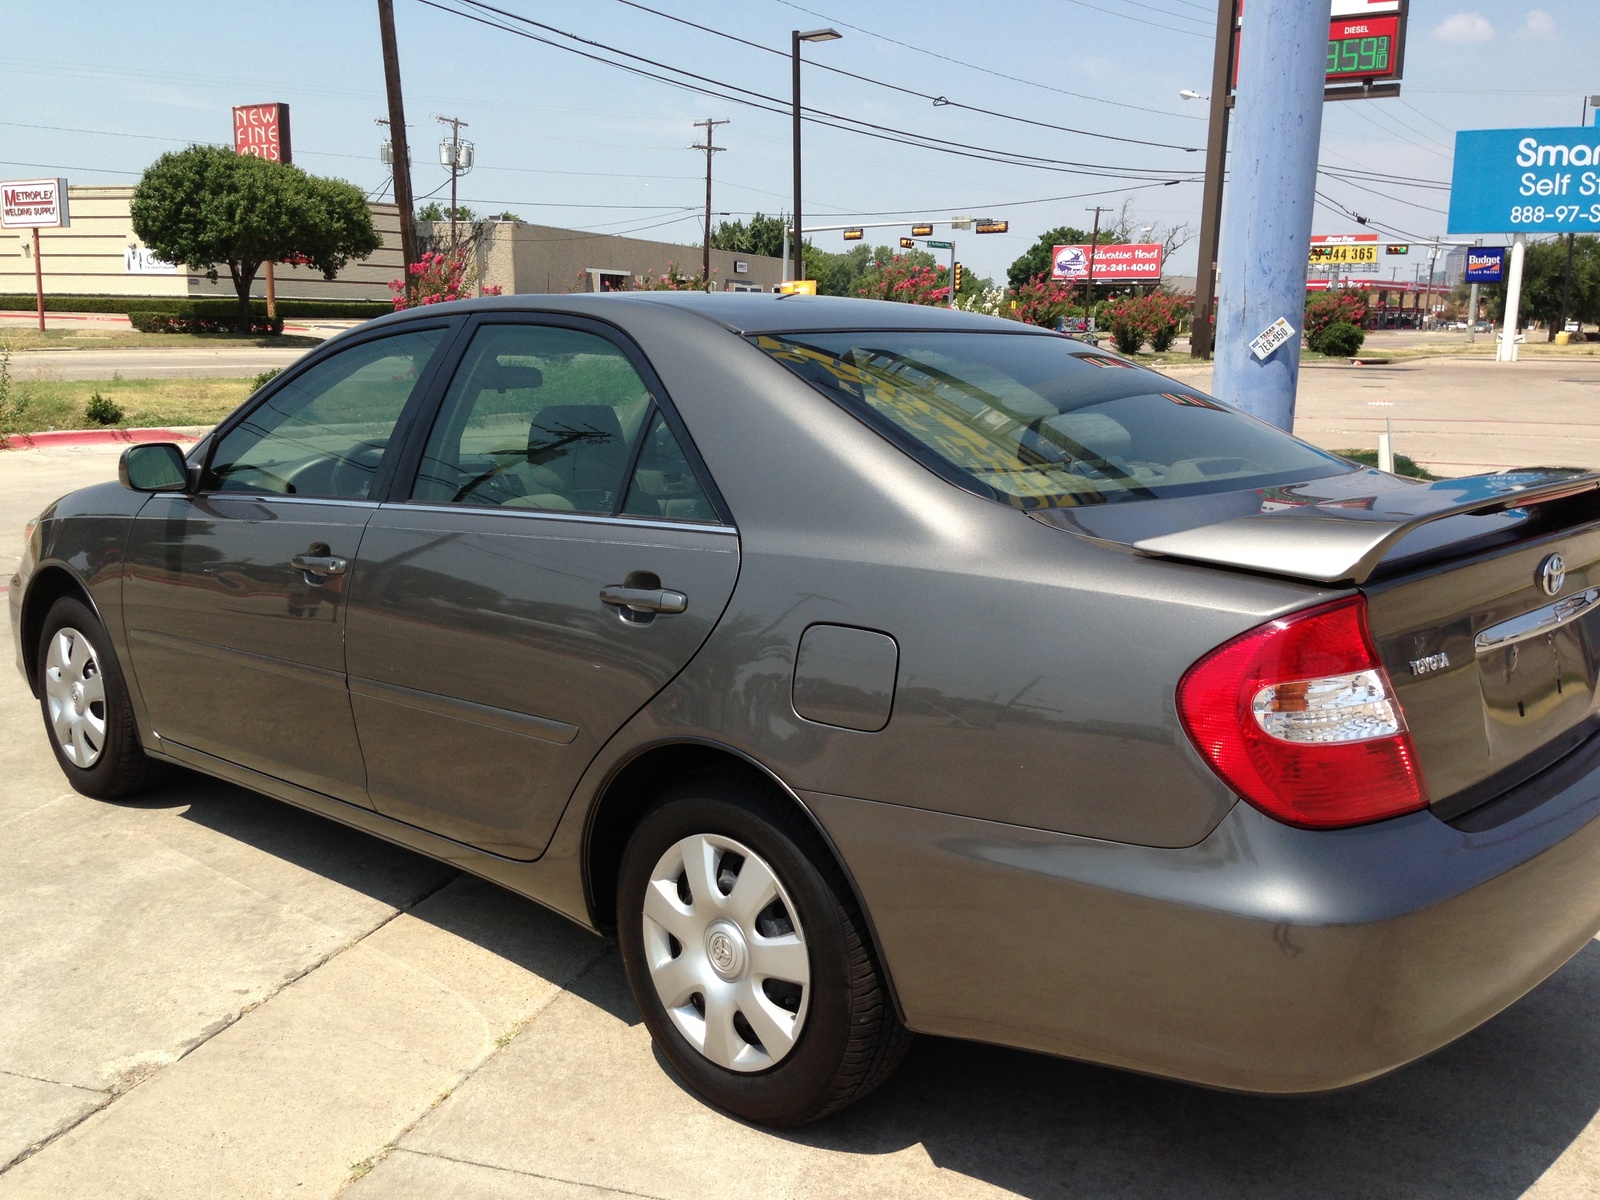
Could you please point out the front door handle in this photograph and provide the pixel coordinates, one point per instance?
(644, 600)
(318, 568)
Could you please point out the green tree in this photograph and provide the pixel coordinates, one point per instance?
(840, 274)
(763, 235)
(434, 211)
(1036, 260)
(1544, 274)
(207, 206)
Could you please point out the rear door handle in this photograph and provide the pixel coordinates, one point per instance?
(324, 565)
(643, 600)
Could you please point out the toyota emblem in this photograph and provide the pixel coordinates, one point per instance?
(1552, 574)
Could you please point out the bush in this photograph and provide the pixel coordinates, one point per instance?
(266, 377)
(102, 410)
(13, 400)
(1040, 301)
(331, 310)
(1326, 309)
(204, 316)
(1134, 320)
(1403, 465)
(1340, 340)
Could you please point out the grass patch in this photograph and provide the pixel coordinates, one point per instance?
(43, 404)
(128, 339)
(1402, 465)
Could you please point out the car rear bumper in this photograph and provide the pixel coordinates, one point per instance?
(1263, 959)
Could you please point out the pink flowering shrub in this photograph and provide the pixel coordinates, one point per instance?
(905, 282)
(435, 278)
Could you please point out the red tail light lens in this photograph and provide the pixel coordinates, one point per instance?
(1299, 718)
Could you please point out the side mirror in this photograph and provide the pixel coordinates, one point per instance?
(153, 467)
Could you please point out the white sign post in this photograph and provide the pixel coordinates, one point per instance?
(34, 204)
(1506, 351)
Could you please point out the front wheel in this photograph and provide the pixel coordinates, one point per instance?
(748, 958)
(87, 714)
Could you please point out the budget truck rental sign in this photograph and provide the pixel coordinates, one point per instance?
(1526, 181)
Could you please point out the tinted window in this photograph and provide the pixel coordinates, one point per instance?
(1027, 421)
(664, 484)
(324, 432)
(536, 417)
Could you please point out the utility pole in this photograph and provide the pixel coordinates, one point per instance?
(1094, 245)
(1277, 129)
(397, 137)
(1205, 284)
(705, 256)
(455, 164)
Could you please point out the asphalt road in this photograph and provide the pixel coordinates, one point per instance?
(208, 993)
(175, 363)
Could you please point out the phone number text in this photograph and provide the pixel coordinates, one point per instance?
(1561, 214)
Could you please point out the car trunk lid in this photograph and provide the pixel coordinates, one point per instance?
(1483, 598)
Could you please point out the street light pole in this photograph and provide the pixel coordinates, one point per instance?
(1205, 290)
(1566, 286)
(796, 37)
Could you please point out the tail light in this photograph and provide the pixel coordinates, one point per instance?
(1298, 716)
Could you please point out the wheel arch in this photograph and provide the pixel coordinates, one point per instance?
(639, 780)
(49, 583)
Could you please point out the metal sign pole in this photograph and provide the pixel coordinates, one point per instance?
(1507, 350)
(38, 277)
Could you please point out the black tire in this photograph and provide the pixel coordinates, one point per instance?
(120, 766)
(850, 1039)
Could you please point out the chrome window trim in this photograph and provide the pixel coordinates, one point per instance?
(561, 516)
(275, 497)
(1538, 622)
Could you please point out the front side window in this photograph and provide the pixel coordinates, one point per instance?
(548, 418)
(1029, 421)
(323, 434)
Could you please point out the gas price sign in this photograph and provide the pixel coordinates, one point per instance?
(1340, 248)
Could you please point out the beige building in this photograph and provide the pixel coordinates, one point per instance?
(98, 255)
(519, 257)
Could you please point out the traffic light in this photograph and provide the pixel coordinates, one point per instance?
(908, 244)
(1397, 248)
(854, 235)
(922, 231)
(957, 280)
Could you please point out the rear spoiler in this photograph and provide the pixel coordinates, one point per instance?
(1331, 531)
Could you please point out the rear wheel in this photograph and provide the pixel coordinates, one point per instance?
(748, 958)
(87, 714)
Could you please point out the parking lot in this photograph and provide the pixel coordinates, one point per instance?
(214, 994)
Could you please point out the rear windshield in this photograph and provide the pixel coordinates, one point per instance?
(1036, 422)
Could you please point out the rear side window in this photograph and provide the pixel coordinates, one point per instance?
(553, 419)
(1023, 419)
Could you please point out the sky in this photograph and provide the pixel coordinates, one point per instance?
(1087, 90)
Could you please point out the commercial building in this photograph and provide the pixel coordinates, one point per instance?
(98, 254)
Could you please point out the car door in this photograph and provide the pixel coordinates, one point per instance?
(234, 596)
(559, 557)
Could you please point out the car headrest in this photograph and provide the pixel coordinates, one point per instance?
(569, 424)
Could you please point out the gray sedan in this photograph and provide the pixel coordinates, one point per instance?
(870, 669)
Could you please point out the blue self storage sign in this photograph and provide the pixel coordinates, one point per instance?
(1526, 181)
(1486, 264)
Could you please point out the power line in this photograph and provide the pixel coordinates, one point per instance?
(1140, 20)
(1165, 12)
(941, 101)
(723, 90)
(883, 37)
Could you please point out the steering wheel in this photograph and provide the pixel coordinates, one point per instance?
(354, 470)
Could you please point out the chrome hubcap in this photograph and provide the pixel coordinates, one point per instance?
(75, 693)
(726, 952)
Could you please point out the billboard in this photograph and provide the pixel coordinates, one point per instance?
(1486, 264)
(1137, 262)
(1329, 249)
(1526, 181)
(262, 130)
(34, 204)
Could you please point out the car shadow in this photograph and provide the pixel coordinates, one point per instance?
(1482, 1119)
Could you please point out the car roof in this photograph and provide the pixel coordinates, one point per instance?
(745, 312)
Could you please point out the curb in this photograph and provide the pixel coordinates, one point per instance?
(91, 437)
